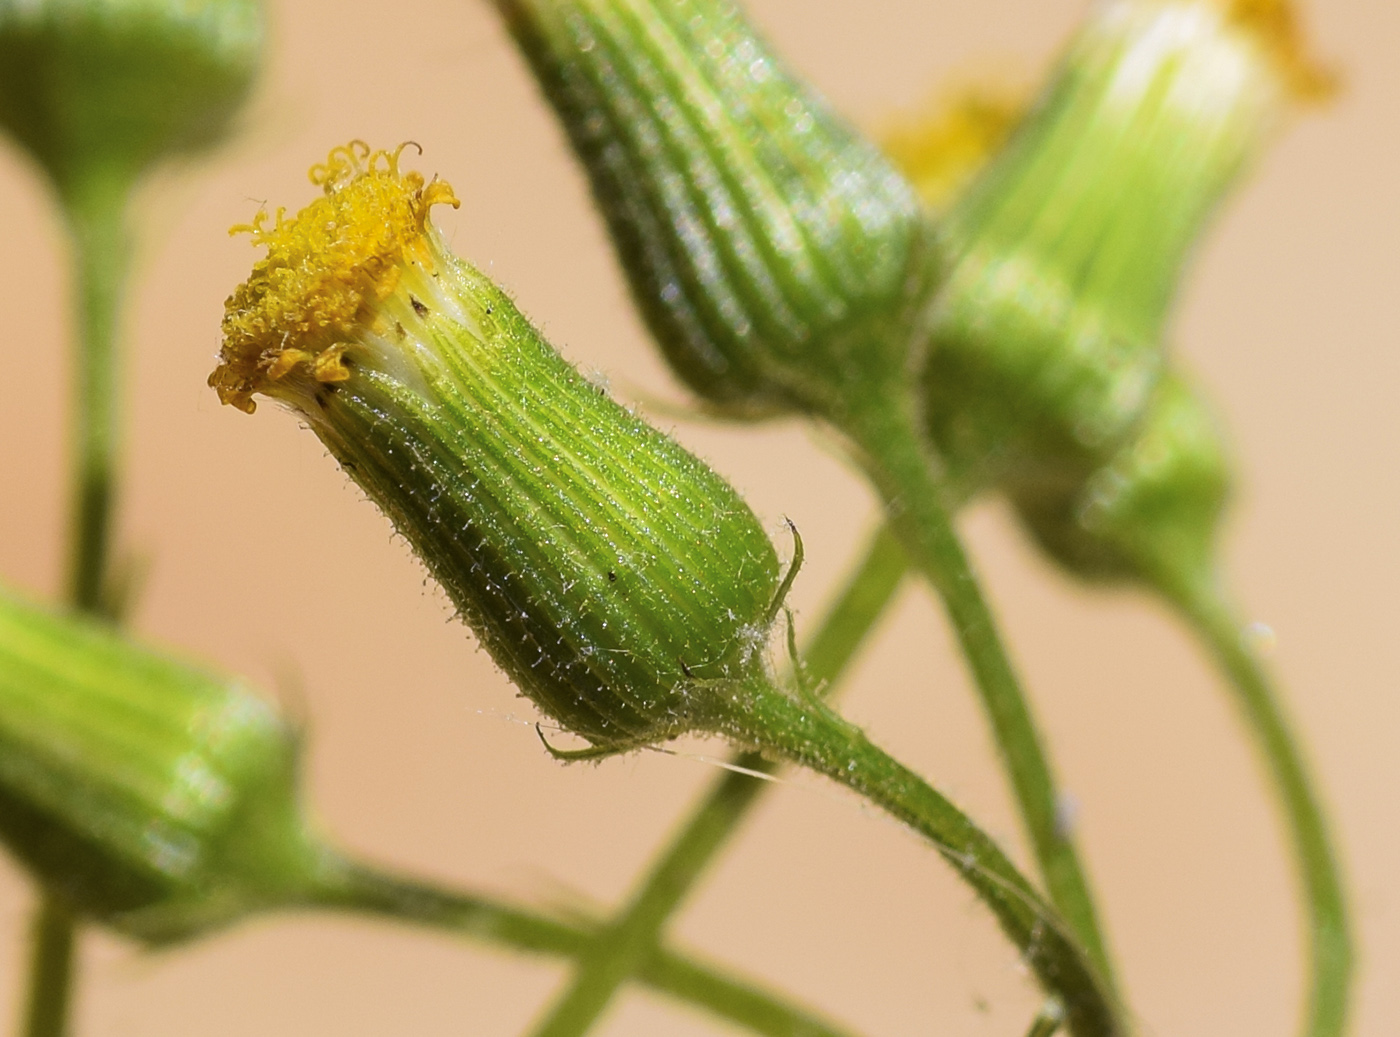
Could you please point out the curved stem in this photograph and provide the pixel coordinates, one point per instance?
(810, 734)
(633, 934)
(96, 213)
(347, 886)
(918, 507)
(1329, 945)
(50, 971)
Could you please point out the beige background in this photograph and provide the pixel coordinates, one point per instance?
(264, 560)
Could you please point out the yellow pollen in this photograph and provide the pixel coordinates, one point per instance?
(941, 150)
(1275, 24)
(324, 269)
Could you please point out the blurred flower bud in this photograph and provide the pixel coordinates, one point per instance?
(149, 795)
(1068, 249)
(101, 89)
(1152, 512)
(606, 570)
(775, 254)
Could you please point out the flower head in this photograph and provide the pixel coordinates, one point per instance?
(99, 90)
(1048, 334)
(325, 269)
(774, 252)
(153, 796)
(607, 570)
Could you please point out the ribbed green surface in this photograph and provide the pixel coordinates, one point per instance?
(1047, 342)
(1154, 509)
(102, 88)
(772, 250)
(147, 793)
(819, 739)
(602, 565)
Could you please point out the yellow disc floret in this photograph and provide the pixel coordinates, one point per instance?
(1275, 24)
(324, 270)
(942, 148)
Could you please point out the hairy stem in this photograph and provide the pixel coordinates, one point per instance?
(1329, 939)
(918, 507)
(631, 937)
(346, 886)
(808, 733)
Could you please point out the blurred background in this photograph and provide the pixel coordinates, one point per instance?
(264, 560)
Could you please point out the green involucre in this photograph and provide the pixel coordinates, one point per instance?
(148, 794)
(608, 571)
(1047, 335)
(101, 89)
(774, 253)
(1153, 509)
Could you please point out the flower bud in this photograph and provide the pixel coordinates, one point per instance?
(774, 253)
(1152, 512)
(103, 88)
(1068, 249)
(605, 569)
(148, 794)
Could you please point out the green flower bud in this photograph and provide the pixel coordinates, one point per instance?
(104, 88)
(1153, 511)
(1068, 249)
(148, 794)
(607, 571)
(774, 253)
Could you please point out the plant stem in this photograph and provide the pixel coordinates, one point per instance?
(50, 971)
(1329, 947)
(1048, 1022)
(808, 733)
(631, 937)
(917, 504)
(349, 886)
(96, 212)
(96, 217)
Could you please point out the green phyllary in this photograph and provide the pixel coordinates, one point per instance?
(606, 569)
(145, 793)
(1066, 252)
(101, 89)
(1154, 509)
(774, 252)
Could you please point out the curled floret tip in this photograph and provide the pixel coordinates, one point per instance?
(324, 268)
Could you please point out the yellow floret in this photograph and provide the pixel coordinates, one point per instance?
(942, 149)
(1275, 24)
(324, 269)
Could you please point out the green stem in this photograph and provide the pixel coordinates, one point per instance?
(50, 971)
(1048, 1022)
(810, 734)
(96, 217)
(1329, 945)
(918, 506)
(96, 211)
(633, 934)
(348, 886)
